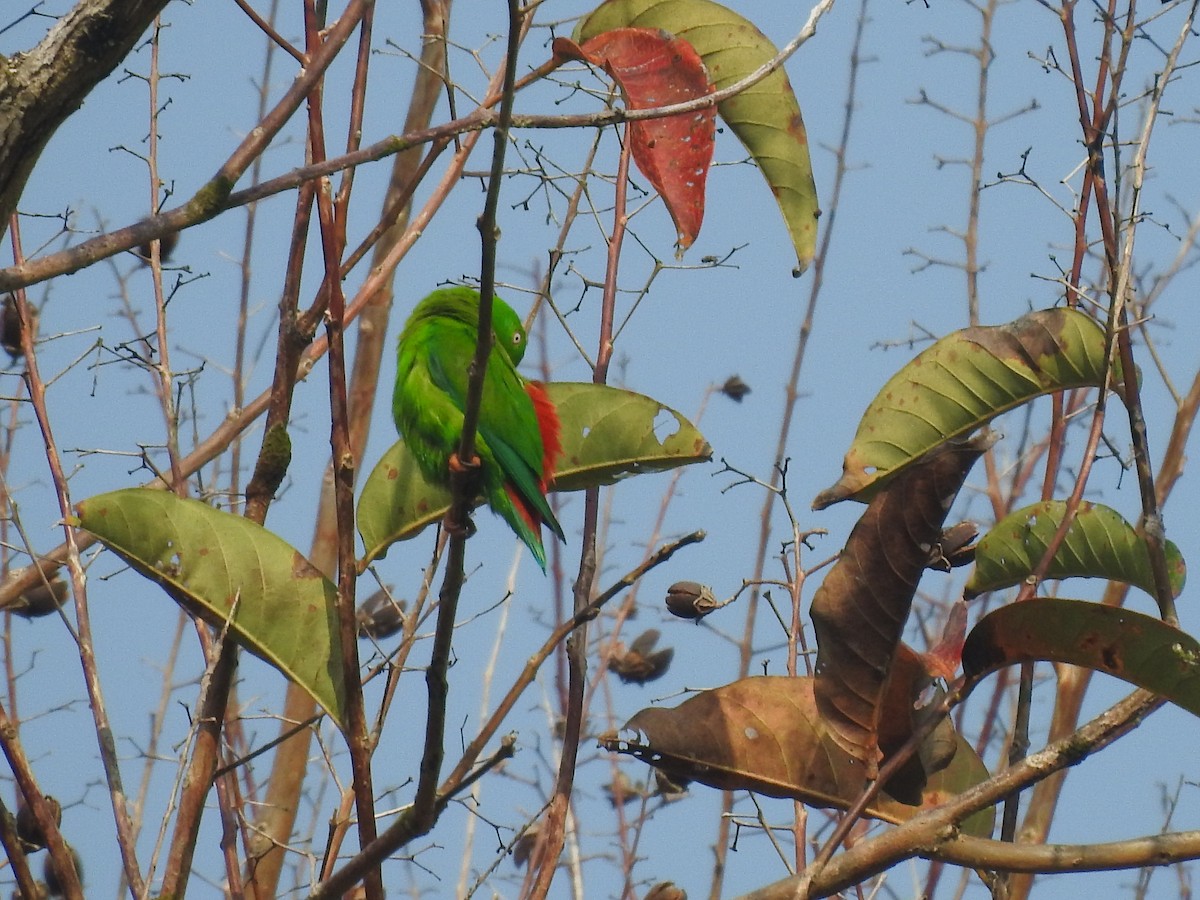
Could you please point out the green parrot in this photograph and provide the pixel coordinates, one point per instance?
(518, 435)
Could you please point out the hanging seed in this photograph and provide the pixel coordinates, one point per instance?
(734, 388)
(525, 845)
(41, 599)
(954, 548)
(690, 600)
(641, 662)
(624, 790)
(166, 246)
(10, 326)
(29, 830)
(667, 787)
(380, 615)
(50, 874)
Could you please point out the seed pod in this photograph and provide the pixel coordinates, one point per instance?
(525, 845)
(734, 388)
(41, 599)
(29, 830)
(641, 663)
(690, 600)
(50, 874)
(166, 246)
(666, 890)
(380, 615)
(667, 787)
(10, 325)
(273, 461)
(624, 790)
(954, 548)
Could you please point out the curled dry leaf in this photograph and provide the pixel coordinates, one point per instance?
(525, 845)
(861, 607)
(655, 68)
(29, 830)
(42, 599)
(11, 327)
(943, 659)
(667, 787)
(166, 246)
(50, 873)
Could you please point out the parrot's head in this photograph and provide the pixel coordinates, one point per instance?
(462, 304)
(510, 333)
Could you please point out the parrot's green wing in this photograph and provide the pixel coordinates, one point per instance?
(508, 422)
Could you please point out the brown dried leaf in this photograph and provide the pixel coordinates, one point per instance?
(764, 734)
(860, 609)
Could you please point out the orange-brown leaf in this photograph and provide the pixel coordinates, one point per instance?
(764, 734)
(655, 68)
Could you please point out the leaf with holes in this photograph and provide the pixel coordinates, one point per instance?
(1098, 544)
(962, 382)
(654, 68)
(607, 434)
(1138, 649)
(764, 734)
(231, 573)
(765, 117)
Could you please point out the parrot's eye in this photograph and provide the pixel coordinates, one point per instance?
(516, 339)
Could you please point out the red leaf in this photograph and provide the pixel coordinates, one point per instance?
(943, 659)
(655, 68)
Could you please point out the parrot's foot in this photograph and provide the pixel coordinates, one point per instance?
(467, 530)
(462, 468)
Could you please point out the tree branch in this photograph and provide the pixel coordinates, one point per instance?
(39, 90)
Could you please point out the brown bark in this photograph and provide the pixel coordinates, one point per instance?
(41, 88)
(274, 826)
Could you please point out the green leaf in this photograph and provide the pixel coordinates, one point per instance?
(1099, 544)
(766, 117)
(231, 572)
(397, 503)
(1139, 649)
(607, 434)
(962, 382)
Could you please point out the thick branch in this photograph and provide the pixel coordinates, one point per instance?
(40, 89)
